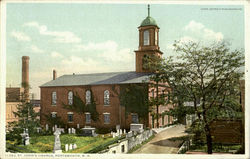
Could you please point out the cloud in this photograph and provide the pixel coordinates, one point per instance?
(199, 31)
(20, 36)
(108, 45)
(59, 36)
(55, 54)
(35, 49)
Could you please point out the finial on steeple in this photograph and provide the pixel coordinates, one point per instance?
(148, 10)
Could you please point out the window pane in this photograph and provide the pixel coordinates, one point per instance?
(88, 97)
(87, 118)
(146, 37)
(70, 98)
(156, 38)
(70, 117)
(53, 98)
(53, 115)
(134, 118)
(106, 97)
(106, 118)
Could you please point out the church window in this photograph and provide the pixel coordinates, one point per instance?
(146, 37)
(70, 117)
(87, 117)
(70, 98)
(106, 97)
(106, 118)
(135, 118)
(53, 98)
(88, 97)
(156, 37)
(53, 114)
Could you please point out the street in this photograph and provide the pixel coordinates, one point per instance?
(161, 143)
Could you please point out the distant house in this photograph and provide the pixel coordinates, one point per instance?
(62, 89)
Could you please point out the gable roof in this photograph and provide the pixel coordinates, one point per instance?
(99, 79)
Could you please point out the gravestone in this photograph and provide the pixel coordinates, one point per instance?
(129, 134)
(69, 130)
(38, 130)
(66, 147)
(78, 126)
(73, 130)
(124, 131)
(88, 132)
(70, 147)
(117, 127)
(136, 127)
(47, 127)
(74, 146)
(25, 137)
(57, 143)
(55, 126)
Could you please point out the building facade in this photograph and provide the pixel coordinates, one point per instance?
(104, 88)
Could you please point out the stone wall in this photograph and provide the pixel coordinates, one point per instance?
(124, 145)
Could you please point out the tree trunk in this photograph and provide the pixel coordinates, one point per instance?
(209, 141)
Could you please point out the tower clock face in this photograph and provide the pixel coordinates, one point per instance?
(146, 37)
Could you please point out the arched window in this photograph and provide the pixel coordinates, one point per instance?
(156, 38)
(70, 98)
(88, 97)
(53, 98)
(146, 37)
(106, 97)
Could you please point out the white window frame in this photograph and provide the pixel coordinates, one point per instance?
(88, 97)
(89, 120)
(146, 37)
(106, 99)
(104, 121)
(156, 38)
(70, 98)
(53, 98)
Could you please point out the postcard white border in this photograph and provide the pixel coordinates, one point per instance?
(3, 154)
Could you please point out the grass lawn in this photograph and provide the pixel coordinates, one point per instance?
(44, 144)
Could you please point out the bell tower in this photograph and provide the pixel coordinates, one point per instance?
(148, 42)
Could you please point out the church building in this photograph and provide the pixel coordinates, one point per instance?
(102, 88)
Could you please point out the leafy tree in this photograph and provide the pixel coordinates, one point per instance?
(209, 74)
(27, 119)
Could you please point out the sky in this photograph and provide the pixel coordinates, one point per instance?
(92, 38)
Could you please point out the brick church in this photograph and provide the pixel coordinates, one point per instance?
(101, 86)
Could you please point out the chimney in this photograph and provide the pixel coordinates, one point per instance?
(25, 77)
(54, 74)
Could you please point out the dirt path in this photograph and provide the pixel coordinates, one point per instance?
(161, 143)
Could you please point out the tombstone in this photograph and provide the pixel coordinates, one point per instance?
(74, 146)
(78, 126)
(129, 134)
(136, 127)
(25, 137)
(57, 143)
(66, 147)
(88, 132)
(38, 130)
(69, 130)
(73, 130)
(113, 135)
(55, 126)
(70, 147)
(124, 131)
(53, 129)
(47, 127)
(117, 127)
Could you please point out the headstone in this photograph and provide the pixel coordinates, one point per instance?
(38, 130)
(113, 135)
(66, 147)
(73, 130)
(74, 146)
(117, 127)
(78, 126)
(25, 137)
(124, 131)
(70, 147)
(47, 127)
(88, 132)
(55, 126)
(136, 127)
(57, 143)
(69, 130)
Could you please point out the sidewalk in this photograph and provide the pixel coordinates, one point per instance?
(158, 130)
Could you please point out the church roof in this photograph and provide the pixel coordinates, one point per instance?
(148, 21)
(99, 79)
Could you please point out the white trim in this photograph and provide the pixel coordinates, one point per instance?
(53, 112)
(70, 113)
(87, 113)
(106, 113)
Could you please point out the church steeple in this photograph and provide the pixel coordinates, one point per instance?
(148, 41)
